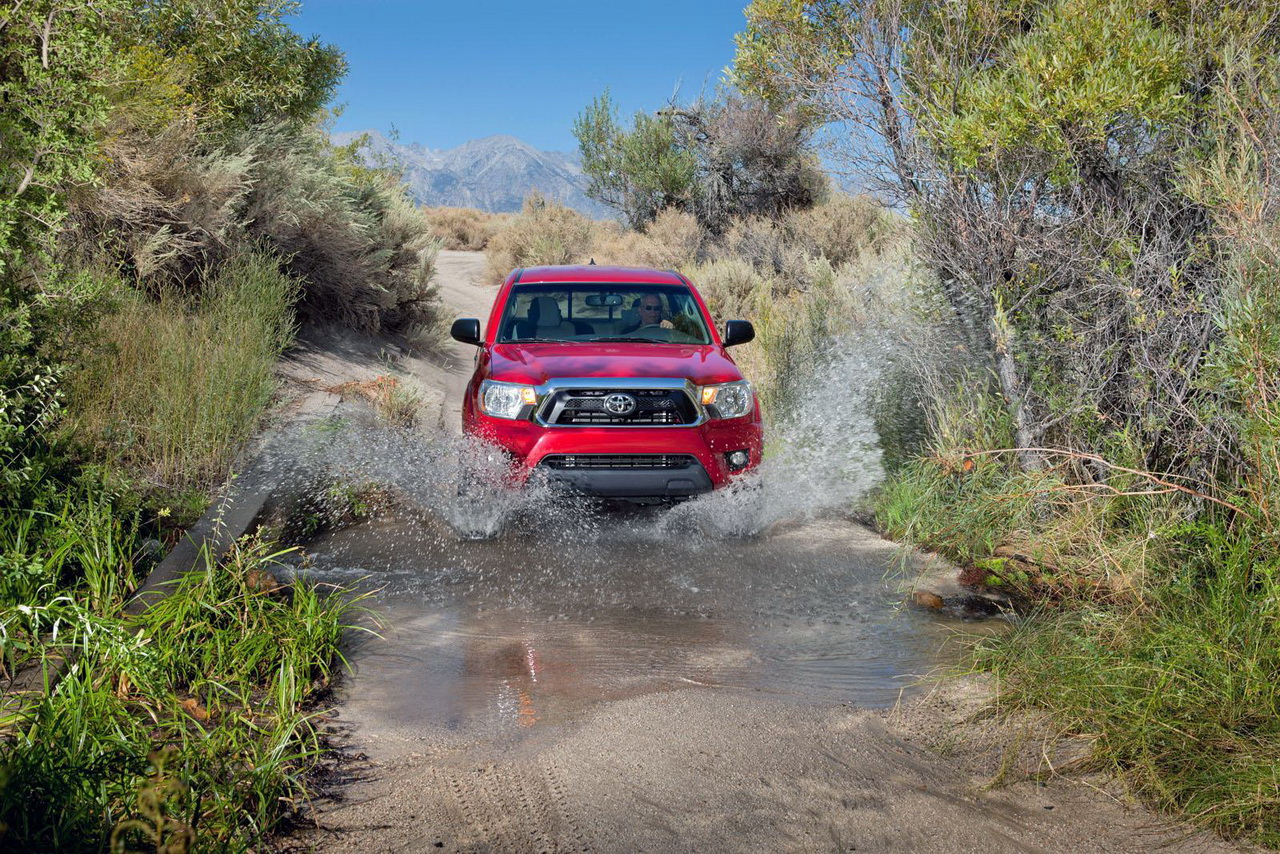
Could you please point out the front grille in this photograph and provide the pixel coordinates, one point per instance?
(618, 461)
(582, 407)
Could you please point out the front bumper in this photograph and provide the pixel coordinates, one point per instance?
(666, 482)
(708, 444)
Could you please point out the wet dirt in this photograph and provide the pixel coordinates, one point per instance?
(585, 679)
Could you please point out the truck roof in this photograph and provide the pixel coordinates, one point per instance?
(596, 273)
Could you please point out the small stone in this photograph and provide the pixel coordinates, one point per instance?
(925, 599)
(261, 581)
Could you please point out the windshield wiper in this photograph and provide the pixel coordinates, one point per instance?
(624, 338)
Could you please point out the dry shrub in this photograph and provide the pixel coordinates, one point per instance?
(731, 286)
(543, 233)
(842, 228)
(620, 246)
(173, 208)
(362, 249)
(675, 240)
(465, 228)
(768, 247)
(169, 207)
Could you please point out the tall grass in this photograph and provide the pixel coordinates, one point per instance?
(170, 390)
(76, 541)
(1178, 691)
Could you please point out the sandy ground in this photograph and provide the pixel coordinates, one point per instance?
(330, 358)
(702, 768)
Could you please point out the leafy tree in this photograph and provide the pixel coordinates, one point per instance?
(242, 63)
(718, 159)
(55, 64)
(639, 171)
(1043, 146)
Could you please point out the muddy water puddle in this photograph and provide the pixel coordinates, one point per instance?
(553, 616)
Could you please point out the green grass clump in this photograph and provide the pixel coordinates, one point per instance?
(1155, 637)
(1179, 691)
(191, 722)
(74, 539)
(170, 390)
(964, 513)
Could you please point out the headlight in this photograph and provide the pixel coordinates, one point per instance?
(505, 400)
(731, 400)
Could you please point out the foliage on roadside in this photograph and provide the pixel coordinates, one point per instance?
(190, 724)
(1177, 691)
(720, 159)
(1095, 187)
(169, 390)
(168, 205)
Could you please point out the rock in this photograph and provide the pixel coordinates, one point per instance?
(192, 707)
(925, 599)
(261, 581)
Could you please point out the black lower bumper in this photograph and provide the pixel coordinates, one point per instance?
(680, 482)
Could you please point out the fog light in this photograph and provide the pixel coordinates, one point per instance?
(737, 459)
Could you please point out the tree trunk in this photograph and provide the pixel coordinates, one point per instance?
(1026, 431)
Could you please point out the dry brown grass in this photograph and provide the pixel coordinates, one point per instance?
(465, 228)
(396, 403)
(543, 233)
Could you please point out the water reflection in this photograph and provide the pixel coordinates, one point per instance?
(530, 627)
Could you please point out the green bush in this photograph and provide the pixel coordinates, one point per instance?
(189, 723)
(170, 390)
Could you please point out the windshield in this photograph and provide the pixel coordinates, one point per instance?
(603, 312)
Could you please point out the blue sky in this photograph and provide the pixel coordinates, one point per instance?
(444, 73)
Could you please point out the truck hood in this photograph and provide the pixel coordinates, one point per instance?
(535, 364)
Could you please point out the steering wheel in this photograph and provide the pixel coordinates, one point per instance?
(654, 332)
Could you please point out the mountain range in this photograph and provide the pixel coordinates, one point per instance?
(493, 174)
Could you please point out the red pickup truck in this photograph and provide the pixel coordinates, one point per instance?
(614, 381)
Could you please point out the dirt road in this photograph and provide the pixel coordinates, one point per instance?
(631, 683)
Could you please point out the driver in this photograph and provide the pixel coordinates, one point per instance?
(651, 314)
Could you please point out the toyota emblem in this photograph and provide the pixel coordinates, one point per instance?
(619, 404)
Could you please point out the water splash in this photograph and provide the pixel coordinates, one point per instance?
(820, 457)
(466, 483)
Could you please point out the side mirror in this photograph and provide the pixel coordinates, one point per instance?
(738, 332)
(467, 330)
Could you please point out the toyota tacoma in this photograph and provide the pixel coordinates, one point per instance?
(614, 381)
